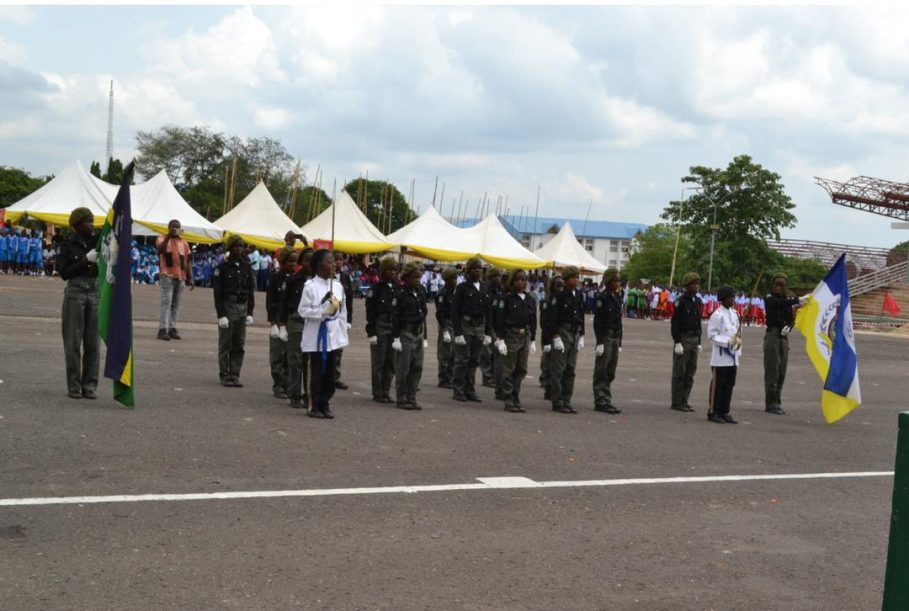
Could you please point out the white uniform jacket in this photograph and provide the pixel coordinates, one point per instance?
(310, 310)
(722, 328)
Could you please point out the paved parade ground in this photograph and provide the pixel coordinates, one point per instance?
(384, 508)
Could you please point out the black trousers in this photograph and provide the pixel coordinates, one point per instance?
(721, 389)
(322, 380)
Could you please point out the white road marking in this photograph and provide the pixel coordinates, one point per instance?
(485, 483)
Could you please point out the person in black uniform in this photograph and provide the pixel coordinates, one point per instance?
(607, 325)
(780, 319)
(555, 286)
(408, 331)
(445, 350)
(566, 328)
(275, 298)
(378, 329)
(76, 264)
(685, 327)
(234, 288)
(490, 360)
(297, 360)
(516, 332)
(471, 329)
(347, 282)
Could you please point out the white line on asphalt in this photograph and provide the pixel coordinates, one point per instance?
(485, 483)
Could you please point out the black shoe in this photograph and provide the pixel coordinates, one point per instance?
(445, 385)
(716, 418)
(326, 413)
(776, 410)
(729, 419)
(89, 394)
(512, 408)
(235, 382)
(688, 408)
(281, 395)
(474, 398)
(519, 409)
(561, 409)
(612, 409)
(403, 405)
(489, 383)
(296, 404)
(341, 385)
(74, 395)
(315, 413)
(458, 397)
(173, 334)
(162, 334)
(227, 382)
(679, 408)
(415, 406)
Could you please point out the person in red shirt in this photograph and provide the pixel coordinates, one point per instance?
(176, 270)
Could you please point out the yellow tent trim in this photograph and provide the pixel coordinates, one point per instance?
(13, 216)
(440, 254)
(189, 236)
(60, 219)
(360, 248)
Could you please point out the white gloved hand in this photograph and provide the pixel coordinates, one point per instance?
(446, 337)
(331, 307)
(501, 347)
(425, 344)
(785, 331)
(223, 322)
(373, 340)
(461, 340)
(804, 299)
(581, 343)
(679, 349)
(533, 347)
(600, 350)
(282, 334)
(396, 345)
(92, 255)
(547, 348)
(558, 345)
(487, 340)
(274, 332)
(249, 320)
(620, 349)
(699, 348)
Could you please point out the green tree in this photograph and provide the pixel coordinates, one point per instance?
(652, 256)
(16, 184)
(114, 174)
(377, 196)
(804, 274)
(95, 169)
(309, 203)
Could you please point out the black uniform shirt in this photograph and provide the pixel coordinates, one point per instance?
(468, 300)
(408, 308)
(275, 297)
(347, 284)
(71, 261)
(779, 311)
(607, 314)
(686, 318)
(233, 283)
(568, 310)
(515, 311)
(546, 310)
(292, 294)
(378, 306)
(443, 307)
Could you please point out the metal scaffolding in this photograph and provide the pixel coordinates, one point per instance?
(884, 197)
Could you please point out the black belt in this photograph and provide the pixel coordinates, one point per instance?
(416, 327)
(518, 330)
(691, 333)
(613, 332)
(472, 318)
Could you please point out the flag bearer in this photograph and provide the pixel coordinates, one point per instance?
(607, 325)
(378, 329)
(471, 330)
(409, 336)
(445, 350)
(685, 327)
(566, 327)
(724, 330)
(76, 263)
(516, 331)
(778, 307)
(234, 289)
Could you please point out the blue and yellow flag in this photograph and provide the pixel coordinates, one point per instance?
(826, 323)
(115, 303)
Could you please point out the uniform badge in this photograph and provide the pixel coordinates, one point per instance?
(369, 294)
(501, 305)
(394, 301)
(217, 272)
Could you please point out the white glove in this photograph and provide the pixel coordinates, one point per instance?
(699, 348)
(804, 299)
(487, 340)
(785, 331)
(533, 347)
(600, 350)
(282, 334)
(373, 340)
(581, 343)
(274, 332)
(425, 344)
(558, 345)
(501, 347)
(331, 307)
(92, 255)
(679, 349)
(547, 348)
(249, 320)
(461, 340)
(223, 322)
(396, 345)
(620, 349)
(446, 337)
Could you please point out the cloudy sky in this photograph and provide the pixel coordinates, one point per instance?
(609, 104)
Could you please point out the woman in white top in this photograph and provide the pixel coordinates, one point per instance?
(725, 334)
(324, 310)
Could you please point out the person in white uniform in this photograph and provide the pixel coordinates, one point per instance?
(724, 330)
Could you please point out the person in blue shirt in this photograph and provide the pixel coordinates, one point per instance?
(12, 252)
(4, 245)
(22, 255)
(36, 253)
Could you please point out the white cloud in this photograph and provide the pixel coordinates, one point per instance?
(11, 53)
(272, 119)
(20, 15)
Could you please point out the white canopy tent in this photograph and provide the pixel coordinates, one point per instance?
(156, 202)
(52, 203)
(259, 220)
(564, 250)
(431, 236)
(353, 232)
(495, 245)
